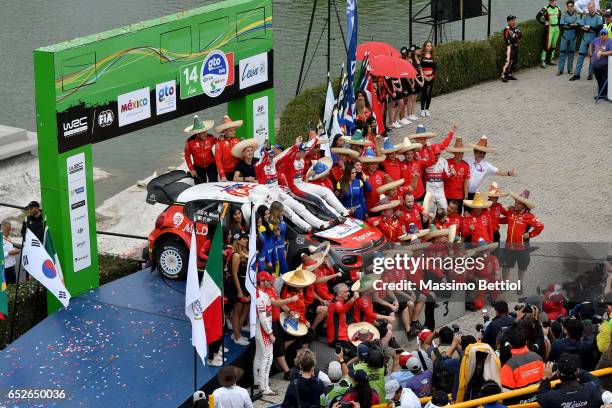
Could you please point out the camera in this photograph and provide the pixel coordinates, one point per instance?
(345, 404)
(338, 348)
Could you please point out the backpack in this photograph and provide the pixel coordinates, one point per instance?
(442, 379)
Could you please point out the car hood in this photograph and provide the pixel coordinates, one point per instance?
(352, 234)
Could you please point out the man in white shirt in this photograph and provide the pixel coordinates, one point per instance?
(479, 167)
(10, 259)
(400, 397)
(229, 395)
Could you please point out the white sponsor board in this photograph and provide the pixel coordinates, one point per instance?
(260, 121)
(134, 106)
(253, 70)
(349, 227)
(166, 97)
(79, 217)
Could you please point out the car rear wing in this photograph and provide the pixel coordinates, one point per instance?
(166, 188)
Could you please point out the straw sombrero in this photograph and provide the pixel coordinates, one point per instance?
(346, 151)
(385, 204)
(238, 149)
(356, 139)
(495, 191)
(483, 145)
(390, 186)
(524, 198)
(228, 123)
(479, 201)
(408, 145)
(199, 126)
(292, 325)
(389, 147)
(422, 133)
(320, 168)
(458, 147)
(435, 232)
(366, 282)
(317, 255)
(369, 156)
(361, 332)
(299, 278)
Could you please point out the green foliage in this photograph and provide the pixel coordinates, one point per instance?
(460, 65)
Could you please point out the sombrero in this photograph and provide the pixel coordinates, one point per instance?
(346, 151)
(408, 145)
(362, 331)
(422, 133)
(292, 325)
(484, 246)
(483, 145)
(389, 147)
(228, 123)
(317, 256)
(299, 278)
(458, 147)
(365, 283)
(199, 126)
(320, 168)
(385, 204)
(495, 191)
(524, 198)
(435, 232)
(238, 149)
(479, 201)
(369, 156)
(389, 186)
(356, 139)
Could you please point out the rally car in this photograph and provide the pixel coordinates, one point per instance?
(352, 242)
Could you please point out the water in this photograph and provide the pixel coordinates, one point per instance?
(25, 26)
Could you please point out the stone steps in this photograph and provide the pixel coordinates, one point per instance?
(15, 141)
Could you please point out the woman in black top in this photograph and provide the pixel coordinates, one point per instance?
(428, 67)
(236, 287)
(414, 84)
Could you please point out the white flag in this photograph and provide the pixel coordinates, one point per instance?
(193, 303)
(330, 102)
(40, 265)
(250, 281)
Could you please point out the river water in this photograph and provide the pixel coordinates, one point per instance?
(25, 26)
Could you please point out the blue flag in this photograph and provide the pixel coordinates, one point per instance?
(351, 62)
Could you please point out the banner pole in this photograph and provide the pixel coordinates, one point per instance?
(19, 266)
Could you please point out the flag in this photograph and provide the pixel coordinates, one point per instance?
(351, 63)
(3, 292)
(37, 262)
(50, 248)
(193, 303)
(377, 109)
(330, 102)
(250, 281)
(210, 292)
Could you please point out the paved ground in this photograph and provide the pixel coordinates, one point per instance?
(556, 137)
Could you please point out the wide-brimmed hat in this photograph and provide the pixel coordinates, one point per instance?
(320, 168)
(238, 149)
(389, 147)
(292, 325)
(435, 232)
(413, 233)
(385, 204)
(317, 255)
(483, 145)
(408, 145)
(362, 332)
(228, 123)
(199, 126)
(369, 156)
(366, 282)
(356, 139)
(390, 184)
(421, 132)
(479, 201)
(458, 147)
(524, 198)
(299, 278)
(495, 191)
(345, 150)
(229, 376)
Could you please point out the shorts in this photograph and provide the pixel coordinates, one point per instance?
(278, 347)
(232, 293)
(311, 311)
(513, 256)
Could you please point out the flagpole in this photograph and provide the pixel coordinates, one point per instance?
(312, 15)
(195, 370)
(12, 323)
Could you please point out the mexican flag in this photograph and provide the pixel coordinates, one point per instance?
(50, 248)
(3, 292)
(210, 292)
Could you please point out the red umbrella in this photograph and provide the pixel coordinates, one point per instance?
(374, 48)
(384, 65)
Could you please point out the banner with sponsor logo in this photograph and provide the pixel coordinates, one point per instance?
(253, 70)
(79, 218)
(260, 121)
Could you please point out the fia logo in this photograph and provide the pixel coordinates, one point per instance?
(106, 118)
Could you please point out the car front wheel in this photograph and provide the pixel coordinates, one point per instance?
(172, 259)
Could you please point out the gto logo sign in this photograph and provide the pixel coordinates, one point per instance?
(253, 70)
(75, 127)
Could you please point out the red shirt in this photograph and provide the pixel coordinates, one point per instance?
(483, 227)
(518, 224)
(376, 180)
(416, 166)
(199, 152)
(336, 173)
(497, 210)
(336, 321)
(391, 228)
(299, 306)
(364, 309)
(412, 216)
(223, 156)
(393, 168)
(322, 288)
(453, 185)
(265, 170)
(273, 296)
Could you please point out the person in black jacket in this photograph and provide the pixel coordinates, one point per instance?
(306, 390)
(34, 221)
(501, 320)
(578, 388)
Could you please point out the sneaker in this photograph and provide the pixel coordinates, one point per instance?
(504, 79)
(559, 73)
(427, 113)
(393, 343)
(590, 77)
(217, 361)
(423, 113)
(512, 78)
(404, 122)
(241, 341)
(543, 64)
(269, 392)
(396, 125)
(413, 118)
(575, 78)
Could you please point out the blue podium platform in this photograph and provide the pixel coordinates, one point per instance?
(125, 344)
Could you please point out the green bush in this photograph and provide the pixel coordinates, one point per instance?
(460, 65)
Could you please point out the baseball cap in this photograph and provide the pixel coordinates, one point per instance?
(608, 13)
(32, 204)
(239, 234)
(567, 365)
(423, 335)
(334, 371)
(302, 147)
(363, 350)
(603, 31)
(265, 276)
(409, 361)
(391, 388)
(510, 17)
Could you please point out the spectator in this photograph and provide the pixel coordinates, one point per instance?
(501, 320)
(401, 397)
(578, 388)
(489, 388)
(590, 24)
(575, 343)
(439, 399)
(604, 362)
(445, 334)
(9, 253)
(512, 39)
(304, 391)
(413, 376)
(372, 362)
(34, 221)
(603, 337)
(295, 372)
(236, 286)
(524, 367)
(230, 395)
(479, 167)
(428, 69)
(361, 392)
(338, 374)
(599, 50)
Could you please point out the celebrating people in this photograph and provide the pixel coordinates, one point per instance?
(226, 162)
(199, 151)
(479, 167)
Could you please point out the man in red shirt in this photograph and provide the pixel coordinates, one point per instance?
(407, 172)
(364, 312)
(456, 186)
(226, 162)
(415, 166)
(198, 151)
(343, 156)
(391, 226)
(477, 223)
(422, 136)
(392, 164)
(452, 217)
(411, 212)
(336, 316)
(522, 225)
(496, 210)
(376, 176)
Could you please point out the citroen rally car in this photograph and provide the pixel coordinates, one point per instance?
(352, 242)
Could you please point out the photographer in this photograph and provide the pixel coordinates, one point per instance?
(501, 320)
(338, 374)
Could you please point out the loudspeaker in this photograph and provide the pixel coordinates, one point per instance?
(450, 10)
